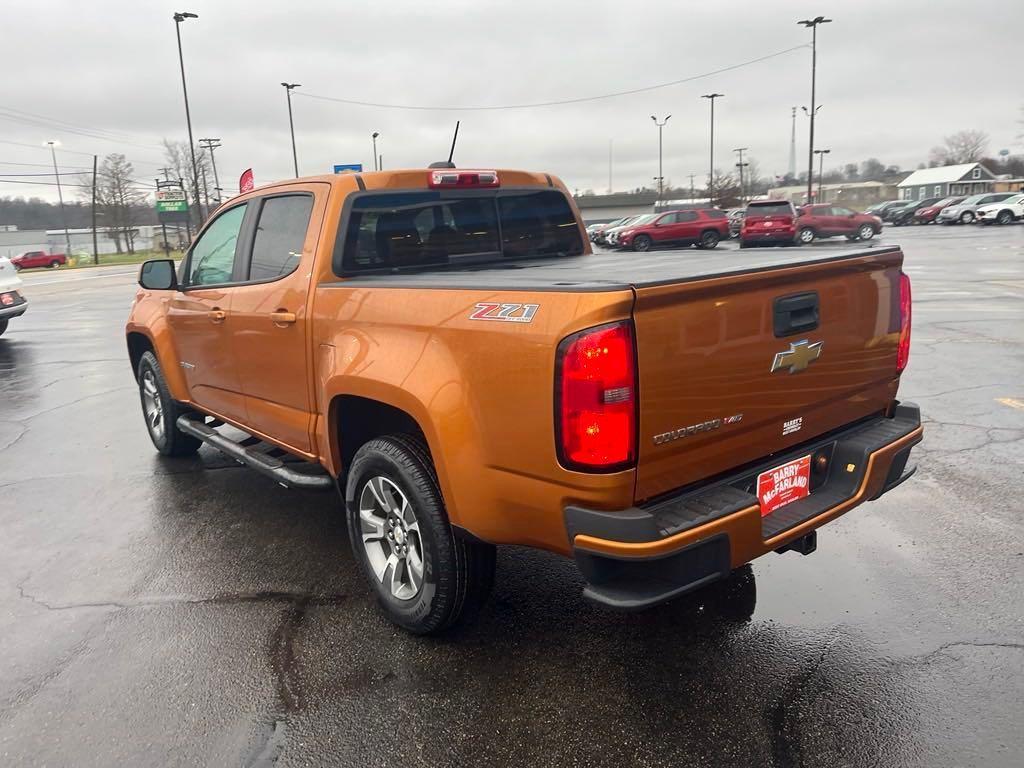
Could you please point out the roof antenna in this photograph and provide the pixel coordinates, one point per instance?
(448, 163)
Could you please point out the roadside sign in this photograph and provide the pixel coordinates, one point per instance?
(349, 168)
(171, 202)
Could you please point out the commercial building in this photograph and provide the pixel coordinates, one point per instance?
(947, 181)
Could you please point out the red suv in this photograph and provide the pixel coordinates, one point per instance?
(703, 228)
(768, 221)
(30, 259)
(822, 220)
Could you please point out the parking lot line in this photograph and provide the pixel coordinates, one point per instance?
(1013, 403)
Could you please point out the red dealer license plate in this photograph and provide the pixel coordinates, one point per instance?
(783, 485)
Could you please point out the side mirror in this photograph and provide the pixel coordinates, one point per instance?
(158, 275)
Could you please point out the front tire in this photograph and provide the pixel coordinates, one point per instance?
(1004, 217)
(54, 264)
(3, 325)
(161, 411)
(425, 576)
(805, 236)
(642, 243)
(866, 232)
(966, 217)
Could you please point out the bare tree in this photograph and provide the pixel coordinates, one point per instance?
(727, 190)
(960, 147)
(872, 169)
(179, 161)
(118, 197)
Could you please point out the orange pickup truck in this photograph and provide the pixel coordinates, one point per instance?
(442, 347)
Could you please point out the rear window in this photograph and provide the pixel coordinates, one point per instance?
(775, 208)
(415, 229)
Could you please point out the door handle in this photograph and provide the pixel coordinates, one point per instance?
(282, 318)
(217, 315)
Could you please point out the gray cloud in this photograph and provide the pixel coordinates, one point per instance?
(893, 79)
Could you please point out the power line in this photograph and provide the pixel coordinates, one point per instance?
(43, 165)
(71, 129)
(558, 102)
(56, 121)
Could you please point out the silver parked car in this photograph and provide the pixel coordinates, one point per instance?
(967, 211)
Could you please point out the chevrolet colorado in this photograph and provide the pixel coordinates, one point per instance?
(442, 347)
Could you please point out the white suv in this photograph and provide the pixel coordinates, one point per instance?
(1004, 212)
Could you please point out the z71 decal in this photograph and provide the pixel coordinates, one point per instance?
(508, 313)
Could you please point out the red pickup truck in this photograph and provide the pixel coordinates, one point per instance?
(30, 259)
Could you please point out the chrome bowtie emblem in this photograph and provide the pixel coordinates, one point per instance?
(799, 355)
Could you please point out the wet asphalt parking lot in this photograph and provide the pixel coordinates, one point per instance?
(191, 612)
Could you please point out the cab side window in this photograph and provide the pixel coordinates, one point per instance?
(684, 216)
(280, 235)
(212, 260)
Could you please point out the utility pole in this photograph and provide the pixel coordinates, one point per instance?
(741, 165)
(288, 88)
(711, 169)
(792, 147)
(206, 190)
(60, 196)
(212, 144)
(373, 138)
(661, 176)
(821, 169)
(167, 173)
(95, 247)
(178, 18)
(691, 187)
(812, 24)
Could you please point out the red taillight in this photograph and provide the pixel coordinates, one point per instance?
(596, 394)
(452, 178)
(903, 350)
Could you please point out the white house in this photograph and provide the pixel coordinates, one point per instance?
(947, 181)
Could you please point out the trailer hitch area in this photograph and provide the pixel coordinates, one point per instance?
(805, 545)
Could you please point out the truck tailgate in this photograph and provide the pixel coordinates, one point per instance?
(709, 400)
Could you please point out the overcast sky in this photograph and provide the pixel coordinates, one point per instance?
(893, 79)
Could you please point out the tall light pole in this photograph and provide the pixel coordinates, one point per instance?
(741, 165)
(711, 167)
(811, 116)
(813, 25)
(60, 196)
(374, 139)
(178, 18)
(210, 145)
(661, 176)
(288, 87)
(821, 169)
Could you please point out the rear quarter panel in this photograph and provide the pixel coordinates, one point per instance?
(482, 392)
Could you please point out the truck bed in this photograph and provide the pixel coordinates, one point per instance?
(615, 270)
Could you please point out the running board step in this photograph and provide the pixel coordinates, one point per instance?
(270, 466)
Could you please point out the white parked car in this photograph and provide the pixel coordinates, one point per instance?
(1004, 212)
(12, 303)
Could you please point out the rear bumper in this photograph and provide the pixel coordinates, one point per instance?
(16, 309)
(638, 557)
(772, 236)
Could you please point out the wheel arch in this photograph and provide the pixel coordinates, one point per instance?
(354, 420)
(138, 344)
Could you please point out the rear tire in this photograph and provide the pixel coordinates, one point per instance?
(805, 236)
(161, 411)
(426, 578)
(54, 264)
(709, 240)
(3, 326)
(642, 243)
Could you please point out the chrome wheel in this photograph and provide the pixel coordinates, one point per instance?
(391, 537)
(866, 232)
(151, 405)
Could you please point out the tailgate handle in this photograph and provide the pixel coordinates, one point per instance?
(796, 313)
